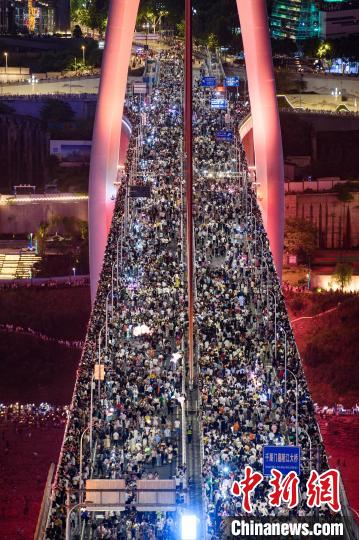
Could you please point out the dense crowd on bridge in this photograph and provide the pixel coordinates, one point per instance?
(136, 420)
(244, 406)
(136, 424)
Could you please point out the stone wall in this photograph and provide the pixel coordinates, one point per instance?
(26, 217)
(337, 222)
(24, 150)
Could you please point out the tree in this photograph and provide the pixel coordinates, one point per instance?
(212, 41)
(325, 50)
(344, 192)
(310, 46)
(77, 32)
(181, 28)
(56, 110)
(300, 238)
(343, 274)
(345, 195)
(41, 237)
(82, 16)
(92, 15)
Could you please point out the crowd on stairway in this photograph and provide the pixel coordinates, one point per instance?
(242, 329)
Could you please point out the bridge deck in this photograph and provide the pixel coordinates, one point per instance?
(243, 335)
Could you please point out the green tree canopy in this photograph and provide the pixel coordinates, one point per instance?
(343, 274)
(300, 237)
(344, 192)
(77, 32)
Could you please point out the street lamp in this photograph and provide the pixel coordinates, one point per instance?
(275, 319)
(146, 26)
(106, 314)
(98, 375)
(70, 509)
(296, 405)
(6, 55)
(81, 452)
(91, 407)
(285, 361)
(112, 277)
(310, 446)
(74, 271)
(182, 400)
(99, 355)
(120, 239)
(83, 53)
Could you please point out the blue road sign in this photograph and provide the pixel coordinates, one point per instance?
(209, 81)
(282, 458)
(219, 103)
(224, 135)
(231, 81)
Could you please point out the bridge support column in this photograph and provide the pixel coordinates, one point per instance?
(266, 127)
(107, 129)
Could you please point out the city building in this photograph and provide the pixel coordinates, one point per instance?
(303, 19)
(339, 20)
(62, 16)
(294, 18)
(34, 16)
(6, 16)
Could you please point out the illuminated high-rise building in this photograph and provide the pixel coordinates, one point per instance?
(295, 19)
(303, 19)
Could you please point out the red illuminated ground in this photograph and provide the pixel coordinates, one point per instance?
(23, 471)
(341, 436)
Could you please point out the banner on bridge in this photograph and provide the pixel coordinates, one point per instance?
(282, 458)
(209, 81)
(224, 135)
(231, 81)
(219, 103)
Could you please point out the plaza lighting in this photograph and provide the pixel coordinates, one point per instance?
(44, 198)
(189, 527)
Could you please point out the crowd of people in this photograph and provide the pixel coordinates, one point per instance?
(242, 330)
(14, 329)
(46, 283)
(136, 415)
(32, 415)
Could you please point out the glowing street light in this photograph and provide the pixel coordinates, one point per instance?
(189, 527)
(83, 53)
(6, 55)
